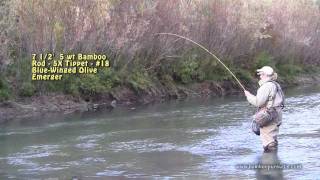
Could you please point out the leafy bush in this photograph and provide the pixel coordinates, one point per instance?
(109, 78)
(187, 70)
(27, 89)
(4, 95)
(139, 80)
(289, 70)
(90, 84)
(4, 90)
(263, 59)
(244, 76)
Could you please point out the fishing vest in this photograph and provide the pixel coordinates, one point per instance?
(276, 98)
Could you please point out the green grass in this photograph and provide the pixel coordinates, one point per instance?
(4, 90)
(289, 71)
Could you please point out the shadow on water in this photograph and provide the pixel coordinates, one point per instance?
(269, 170)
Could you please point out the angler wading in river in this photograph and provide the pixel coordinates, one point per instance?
(269, 101)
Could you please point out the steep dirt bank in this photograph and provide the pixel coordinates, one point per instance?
(123, 97)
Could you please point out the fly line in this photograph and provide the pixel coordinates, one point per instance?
(202, 47)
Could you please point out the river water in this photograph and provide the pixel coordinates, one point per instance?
(192, 139)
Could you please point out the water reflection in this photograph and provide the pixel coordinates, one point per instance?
(269, 169)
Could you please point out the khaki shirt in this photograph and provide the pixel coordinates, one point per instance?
(266, 90)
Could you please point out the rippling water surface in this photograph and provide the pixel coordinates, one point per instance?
(193, 139)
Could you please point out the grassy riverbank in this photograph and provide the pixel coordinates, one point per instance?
(169, 80)
(59, 101)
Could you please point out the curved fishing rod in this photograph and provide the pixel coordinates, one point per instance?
(171, 34)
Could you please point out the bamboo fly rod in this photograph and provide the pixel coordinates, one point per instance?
(214, 56)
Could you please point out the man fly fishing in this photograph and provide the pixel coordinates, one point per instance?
(269, 101)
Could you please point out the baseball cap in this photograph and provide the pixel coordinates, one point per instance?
(266, 70)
